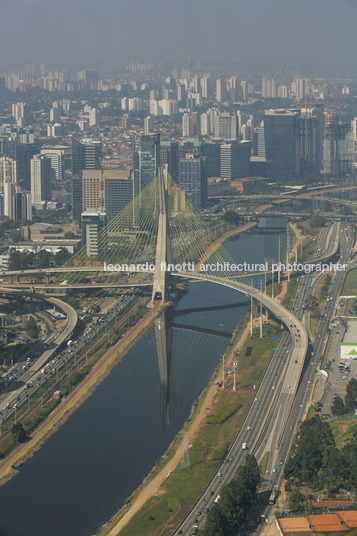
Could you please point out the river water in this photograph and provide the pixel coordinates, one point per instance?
(84, 472)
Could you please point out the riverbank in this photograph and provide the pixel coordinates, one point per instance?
(205, 439)
(77, 396)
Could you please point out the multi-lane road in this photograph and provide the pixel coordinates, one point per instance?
(277, 410)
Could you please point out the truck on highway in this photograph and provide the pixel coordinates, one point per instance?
(194, 529)
(244, 446)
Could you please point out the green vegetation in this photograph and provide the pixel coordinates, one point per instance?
(19, 432)
(317, 222)
(43, 259)
(32, 328)
(340, 407)
(222, 414)
(317, 462)
(350, 284)
(226, 517)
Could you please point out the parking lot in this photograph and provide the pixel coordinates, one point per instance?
(339, 372)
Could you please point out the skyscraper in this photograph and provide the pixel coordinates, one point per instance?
(86, 154)
(235, 159)
(282, 143)
(169, 155)
(311, 134)
(40, 179)
(226, 126)
(193, 179)
(147, 160)
(8, 171)
(338, 147)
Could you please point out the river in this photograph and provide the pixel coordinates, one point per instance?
(84, 472)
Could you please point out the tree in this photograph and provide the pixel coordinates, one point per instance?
(351, 395)
(19, 432)
(317, 221)
(32, 328)
(338, 407)
(297, 501)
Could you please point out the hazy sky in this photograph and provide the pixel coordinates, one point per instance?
(272, 32)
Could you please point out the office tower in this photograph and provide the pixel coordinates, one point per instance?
(125, 104)
(259, 142)
(169, 156)
(189, 146)
(8, 171)
(226, 126)
(235, 159)
(193, 179)
(23, 206)
(282, 143)
(205, 89)
(92, 223)
(57, 157)
(88, 79)
(120, 190)
(108, 190)
(93, 117)
(211, 150)
(268, 88)
(23, 153)
(40, 179)
(9, 200)
(338, 147)
(311, 135)
(86, 154)
(147, 159)
(148, 125)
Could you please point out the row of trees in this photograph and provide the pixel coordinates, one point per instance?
(340, 407)
(317, 462)
(43, 259)
(226, 517)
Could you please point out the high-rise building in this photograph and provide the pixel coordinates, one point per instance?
(226, 126)
(148, 124)
(93, 117)
(57, 158)
(235, 159)
(268, 88)
(193, 179)
(205, 88)
(86, 154)
(8, 171)
(221, 93)
(92, 222)
(147, 159)
(211, 150)
(10, 200)
(120, 190)
(311, 135)
(40, 179)
(205, 122)
(282, 143)
(338, 147)
(169, 156)
(108, 190)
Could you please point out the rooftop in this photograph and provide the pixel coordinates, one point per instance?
(351, 333)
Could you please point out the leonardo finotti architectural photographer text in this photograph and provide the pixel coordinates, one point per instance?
(226, 267)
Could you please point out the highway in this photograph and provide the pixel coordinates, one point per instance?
(274, 416)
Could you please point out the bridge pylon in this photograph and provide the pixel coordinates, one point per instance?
(163, 244)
